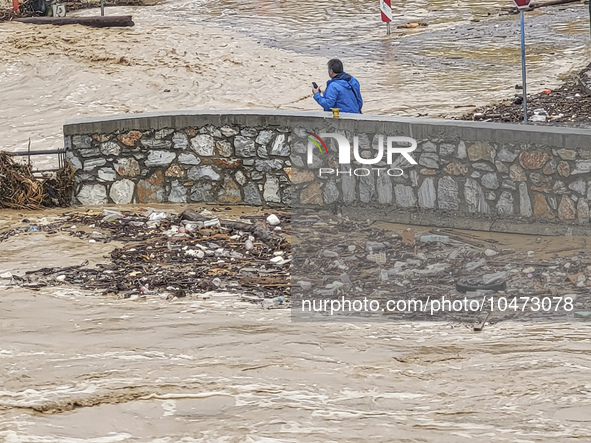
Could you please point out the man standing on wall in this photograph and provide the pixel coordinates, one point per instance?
(342, 90)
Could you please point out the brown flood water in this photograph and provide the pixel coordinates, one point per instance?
(264, 54)
(76, 366)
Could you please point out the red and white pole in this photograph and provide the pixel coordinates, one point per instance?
(386, 9)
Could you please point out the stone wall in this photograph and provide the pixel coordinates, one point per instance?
(469, 174)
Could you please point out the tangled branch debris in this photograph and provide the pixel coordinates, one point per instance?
(19, 189)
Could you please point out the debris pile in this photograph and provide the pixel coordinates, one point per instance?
(568, 104)
(336, 257)
(176, 256)
(19, 189)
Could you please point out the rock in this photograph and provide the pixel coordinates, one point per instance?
(475, 198)
(384, 189)
(268, 165)
(505, 204)
(566, 209)
(107, 175)
(130, 138)
(550, 167)
(534, 159)
(349, 188)
(446, 149)
(428, 172)
(264, 137)
(583, 211)
(152, 143)
(121, 192)
(582, 167)
(483, 167)
(163, 133)
(252, 195)
(127, 167)
(405, 196)
(202, 192)
(517, 174)
(90, 164)
(490, 195)
(462, 153)
(230, 192)
(427, 195)
(429, 160)
(524, 201)
(567, 154)
(74, 161)
(200, 172)
(240, 178)
(367, 188)
(541, 208)
(506, 155)
(509, 184)
(579, 186)
(481, 151)
(180, 140)
(280, 147)
(501, 167)
(175, 171)
(540, 182)
(563, 169)
(249, 132)
(428, 147)
(224, 148)
(152, 189)
(203, 145)
(490, 181)
(312, 195)
(271, 190)
(301, 176)
(490, 252)
(273, 220)
(456, 169)
(448, 195)
(228, 131)
(81, 142)
(92, 195)
(160, 158)
(110, 148)
(178, 193)
(559, 188)
(330, 193)
(229, 163)
(244, 146)
(189, 159)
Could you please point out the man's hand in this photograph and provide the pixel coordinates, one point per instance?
(315, 90)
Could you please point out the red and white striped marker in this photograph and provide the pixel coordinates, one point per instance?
(386, 9)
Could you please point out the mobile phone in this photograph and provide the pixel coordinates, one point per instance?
(314, 85)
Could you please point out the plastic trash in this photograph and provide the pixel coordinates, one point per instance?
(211, 223)
(435, 238)
(33, 229)
(248, 245)
(475, 264)
(109, 215)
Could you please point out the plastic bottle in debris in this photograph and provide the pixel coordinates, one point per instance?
(475, 264)
(248, 245)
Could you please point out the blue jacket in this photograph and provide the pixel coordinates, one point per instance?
(343, 92)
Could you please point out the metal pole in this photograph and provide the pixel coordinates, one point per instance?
(523, 77)
(102, 7)
(388, 26)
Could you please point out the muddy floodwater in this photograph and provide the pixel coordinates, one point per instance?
(79, 366)
(263, 54)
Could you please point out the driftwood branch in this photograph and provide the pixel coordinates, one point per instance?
(107, 21)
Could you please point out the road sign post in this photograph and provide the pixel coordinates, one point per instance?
(386, 9)
(522, 5)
